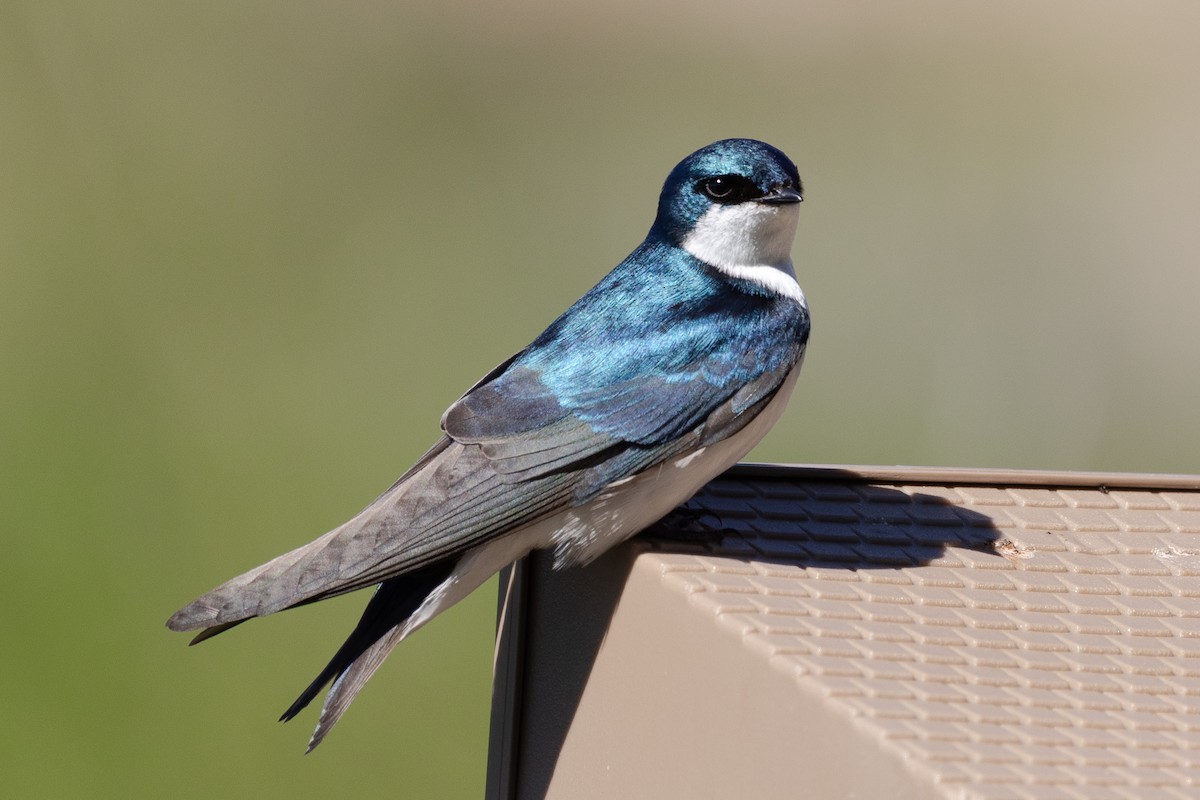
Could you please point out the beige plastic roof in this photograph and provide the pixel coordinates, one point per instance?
(868, 633)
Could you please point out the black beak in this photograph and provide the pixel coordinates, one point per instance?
(781, 196)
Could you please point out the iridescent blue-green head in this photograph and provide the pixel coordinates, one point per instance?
(732, 203)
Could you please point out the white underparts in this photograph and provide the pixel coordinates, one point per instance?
(751, 241)
(629, 505)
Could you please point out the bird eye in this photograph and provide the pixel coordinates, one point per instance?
(728, 189)
(717, 188)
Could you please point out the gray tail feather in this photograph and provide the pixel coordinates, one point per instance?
(350, 683)
(208, 633)
(361, 654)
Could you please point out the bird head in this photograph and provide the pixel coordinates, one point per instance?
(732, 204)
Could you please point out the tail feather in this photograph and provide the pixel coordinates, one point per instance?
(212, 631)
(392, 604)
(351, 681)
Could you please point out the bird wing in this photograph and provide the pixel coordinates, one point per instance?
(388, 617)
(448, 502)
(599, 382)
(547, 429)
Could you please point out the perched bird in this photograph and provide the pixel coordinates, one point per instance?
(659, 378)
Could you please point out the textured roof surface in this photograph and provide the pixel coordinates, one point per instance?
(1003, 638)
(991, 635)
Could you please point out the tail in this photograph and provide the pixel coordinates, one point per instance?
(392, 604)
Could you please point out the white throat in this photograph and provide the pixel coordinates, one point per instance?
(751, 241)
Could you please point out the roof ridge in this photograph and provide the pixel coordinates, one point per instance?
(955, 476)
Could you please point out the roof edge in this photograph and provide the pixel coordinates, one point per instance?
(969, 476)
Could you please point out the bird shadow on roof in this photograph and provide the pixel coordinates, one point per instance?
(822, 524)
(771, 524)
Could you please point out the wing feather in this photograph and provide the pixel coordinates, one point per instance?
(443, 509)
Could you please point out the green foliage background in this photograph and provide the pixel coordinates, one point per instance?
(249, 251)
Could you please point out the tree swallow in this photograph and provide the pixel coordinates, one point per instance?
(654, 382)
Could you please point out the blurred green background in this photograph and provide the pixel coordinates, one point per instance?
(250, 251)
